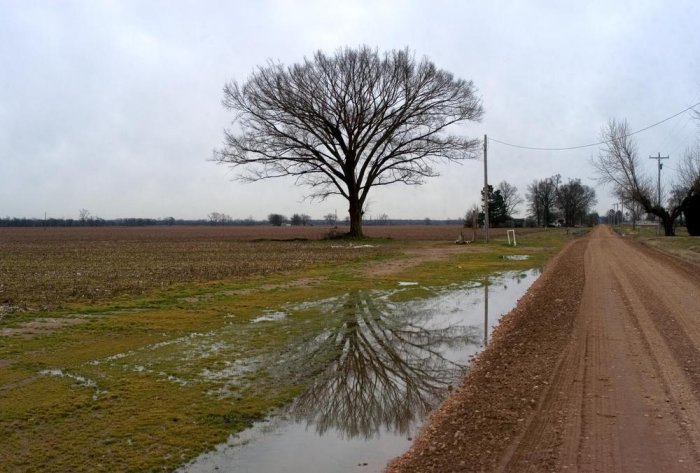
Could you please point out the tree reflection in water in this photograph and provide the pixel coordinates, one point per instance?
(382, 365)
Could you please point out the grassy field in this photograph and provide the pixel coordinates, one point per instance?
(137, 349)
(682, 245)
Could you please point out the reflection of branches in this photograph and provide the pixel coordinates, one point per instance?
(377, 367)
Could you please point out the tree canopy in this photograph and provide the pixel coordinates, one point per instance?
(346, 123)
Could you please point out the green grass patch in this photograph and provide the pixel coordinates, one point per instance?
(682, 245)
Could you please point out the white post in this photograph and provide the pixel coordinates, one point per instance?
(508, 232)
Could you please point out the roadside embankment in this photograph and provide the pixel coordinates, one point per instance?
(473, 429)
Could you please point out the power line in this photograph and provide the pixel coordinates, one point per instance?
(597, 143)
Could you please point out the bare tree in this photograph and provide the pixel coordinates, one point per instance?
(574, 200)
(330, 218)
(541, 198)
(216, 218)
(635, 210)
(611, 216)
(346, 123)
(618, 165)
(84, 216)
(688, 188)
(471, 218)
(511, 198)
(382, 219)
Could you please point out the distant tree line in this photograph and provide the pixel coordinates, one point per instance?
(549, 202)
(86, 219)
(213, 219)
(117, 222)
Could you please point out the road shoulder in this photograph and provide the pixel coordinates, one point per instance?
(474, 428)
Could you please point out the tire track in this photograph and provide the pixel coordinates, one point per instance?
(624, 396)
(622, 392)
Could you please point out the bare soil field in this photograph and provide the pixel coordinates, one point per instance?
(596, 370)
(45, 268)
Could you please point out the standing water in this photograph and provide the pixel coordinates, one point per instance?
(374, 378)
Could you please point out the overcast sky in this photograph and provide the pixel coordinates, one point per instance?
(116, 106)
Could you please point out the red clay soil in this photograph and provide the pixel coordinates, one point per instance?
(596, 370)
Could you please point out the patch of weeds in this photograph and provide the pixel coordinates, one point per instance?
(234, 420)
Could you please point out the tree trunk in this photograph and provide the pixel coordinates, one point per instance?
(692, 215)
(668, 225)
(355, 217)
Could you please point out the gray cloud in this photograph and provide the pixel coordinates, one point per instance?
(115, 107)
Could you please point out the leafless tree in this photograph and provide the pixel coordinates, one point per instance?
(217, 218)
(574, 200)
(471, 218)
(84, 216)
(618, 166)
(635, 210)
(382, 219)
(541, 199)
(689, 168)
(511, 198)
(688, 188)
(330, 218)
(346, 123)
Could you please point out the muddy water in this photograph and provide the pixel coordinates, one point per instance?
(374, 378)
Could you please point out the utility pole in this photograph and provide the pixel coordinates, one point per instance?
(486, 190)
(658, 159)
(658, 195)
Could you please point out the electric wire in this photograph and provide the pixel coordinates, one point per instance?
(672, 139)
(567, 148)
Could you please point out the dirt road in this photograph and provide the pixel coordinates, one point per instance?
(616, 384)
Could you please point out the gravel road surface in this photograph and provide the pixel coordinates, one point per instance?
(596, 370)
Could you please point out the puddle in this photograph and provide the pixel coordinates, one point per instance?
(516, 257)
(371, 379)
(79, 380)
(270, 317)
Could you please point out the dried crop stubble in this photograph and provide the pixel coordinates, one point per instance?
(45, 269)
